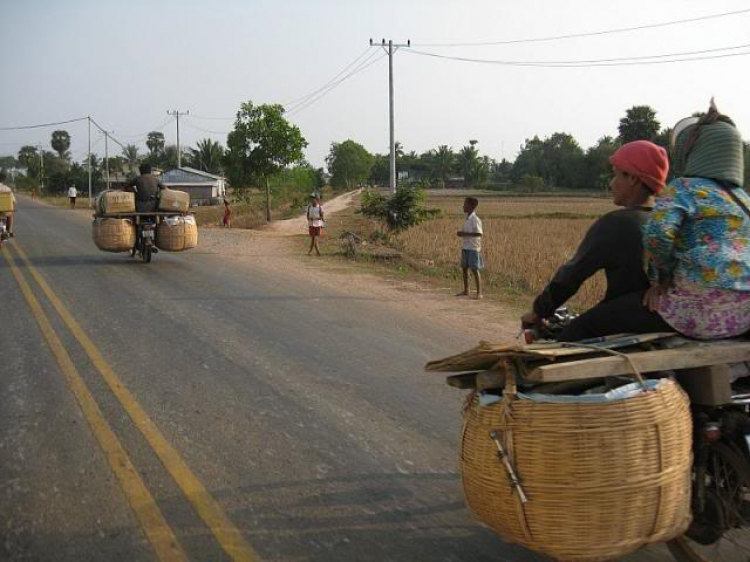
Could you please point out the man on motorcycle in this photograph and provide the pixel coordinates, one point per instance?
(8, 216)
(147, 188)
(614, 244)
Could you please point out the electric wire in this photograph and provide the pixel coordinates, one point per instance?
(363, 66)
(584, 34)
(42, 125)
(311, 94)
(686, 56)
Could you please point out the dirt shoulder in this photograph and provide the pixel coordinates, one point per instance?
(282, 246)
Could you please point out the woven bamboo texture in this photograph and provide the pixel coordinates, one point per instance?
(177, 237)
(601, 479)
(113, 235)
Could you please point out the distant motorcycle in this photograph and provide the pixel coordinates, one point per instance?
(4, 234)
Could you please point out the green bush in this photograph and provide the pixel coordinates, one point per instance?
(399, 212)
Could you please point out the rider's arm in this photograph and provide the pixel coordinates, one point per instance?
(591, 256)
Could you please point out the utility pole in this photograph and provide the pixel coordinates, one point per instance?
(106, 155)
(41, 169)
(91, 201)
(389, 47)
(177, 114)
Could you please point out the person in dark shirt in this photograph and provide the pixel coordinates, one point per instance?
(147, 188)
(614, 244)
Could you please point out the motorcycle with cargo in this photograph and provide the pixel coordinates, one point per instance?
(589, 451)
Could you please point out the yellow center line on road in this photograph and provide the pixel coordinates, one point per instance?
(157, 530)
(230, 538)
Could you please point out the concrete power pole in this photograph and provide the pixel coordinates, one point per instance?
(389, 47)
(41, 169)
(106, 155)
(91, 201)
(177, 114)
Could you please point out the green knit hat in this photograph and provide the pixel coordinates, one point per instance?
(711, 148)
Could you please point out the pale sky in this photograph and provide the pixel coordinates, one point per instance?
(127, 63)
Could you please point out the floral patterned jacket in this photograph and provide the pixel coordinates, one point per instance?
(697, 233)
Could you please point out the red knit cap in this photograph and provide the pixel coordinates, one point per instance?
(645, 160)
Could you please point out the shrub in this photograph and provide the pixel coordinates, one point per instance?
(398, 213)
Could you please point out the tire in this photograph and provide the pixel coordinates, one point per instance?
(146, 254)
(734, 544)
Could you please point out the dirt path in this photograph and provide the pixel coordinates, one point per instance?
(298, 225)
(275, 248)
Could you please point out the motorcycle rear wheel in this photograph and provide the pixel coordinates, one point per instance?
(728, 483)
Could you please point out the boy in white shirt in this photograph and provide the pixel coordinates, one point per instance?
(315, 223)
(72, 193)
(471, 250)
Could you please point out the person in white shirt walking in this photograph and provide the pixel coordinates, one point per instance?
(72, 194)
(471, 249)
(315, 222)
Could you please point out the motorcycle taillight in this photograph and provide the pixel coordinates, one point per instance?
(712, 431)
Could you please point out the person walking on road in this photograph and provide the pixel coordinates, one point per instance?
(471, 248)
(315, 222)
(72, 194)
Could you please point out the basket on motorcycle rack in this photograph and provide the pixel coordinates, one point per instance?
(580, 478)
(176, 234)
(113, 235)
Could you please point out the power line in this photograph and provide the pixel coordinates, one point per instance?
(363, 66)
(687, 56)
(144, 135)
(347, 67)
(585, 34)
(42, 125)
(206, 130)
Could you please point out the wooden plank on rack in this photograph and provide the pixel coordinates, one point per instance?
(685, 357)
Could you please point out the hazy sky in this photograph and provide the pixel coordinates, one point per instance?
(127, 63)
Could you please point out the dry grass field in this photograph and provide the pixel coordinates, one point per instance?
(525, 240)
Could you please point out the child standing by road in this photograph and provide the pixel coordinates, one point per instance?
(227, 220)
(315, 222)
(471, 249)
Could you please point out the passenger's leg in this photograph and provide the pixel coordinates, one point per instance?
(625, 314)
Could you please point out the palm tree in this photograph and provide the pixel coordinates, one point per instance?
(207, 156)
(443, 161)
(130, 152)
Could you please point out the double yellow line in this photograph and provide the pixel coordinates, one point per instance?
(158, 532)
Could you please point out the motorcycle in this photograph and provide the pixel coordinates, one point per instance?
(4, 234)
(720, 408)
(145, 239)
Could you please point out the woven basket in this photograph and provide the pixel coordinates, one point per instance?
(113, 235)
(176, 234)
(601, 479)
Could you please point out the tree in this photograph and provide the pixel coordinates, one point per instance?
(28, 157)
(130, 153)
(597, 170)
(471, 166)
(530, 161)
(207, 156)
(349, 164)
(263, 143)
(563, 159)
(60, 143)
(155, 142)
(380, 171)
(639, 123)
(443, 161)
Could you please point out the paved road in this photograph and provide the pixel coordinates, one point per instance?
(196, 408)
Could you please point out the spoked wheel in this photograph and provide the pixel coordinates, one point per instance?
(721, 532)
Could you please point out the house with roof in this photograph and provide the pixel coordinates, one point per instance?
(202, 186)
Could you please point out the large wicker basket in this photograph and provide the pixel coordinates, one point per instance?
(176, 234)
(600, 480)
(113, 235)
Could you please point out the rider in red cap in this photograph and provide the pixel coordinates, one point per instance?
(614, 244)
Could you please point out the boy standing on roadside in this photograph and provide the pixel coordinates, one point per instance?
(471, 250)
